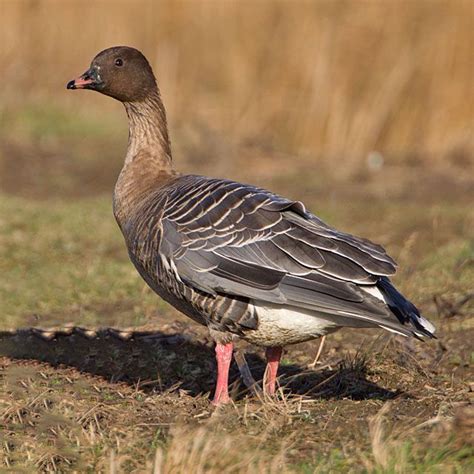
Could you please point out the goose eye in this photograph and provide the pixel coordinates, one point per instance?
(119, 62)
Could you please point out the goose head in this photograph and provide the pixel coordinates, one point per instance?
(120, 72)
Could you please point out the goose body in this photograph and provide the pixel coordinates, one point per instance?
(239, 259)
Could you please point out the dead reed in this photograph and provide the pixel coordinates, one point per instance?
(331, 80)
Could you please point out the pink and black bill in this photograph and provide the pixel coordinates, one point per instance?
(89, 80)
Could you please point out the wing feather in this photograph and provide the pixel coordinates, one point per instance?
(247, 242)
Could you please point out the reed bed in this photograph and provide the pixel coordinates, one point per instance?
(329, 80)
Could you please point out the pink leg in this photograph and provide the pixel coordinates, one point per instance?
(224, 357)
(273, 360)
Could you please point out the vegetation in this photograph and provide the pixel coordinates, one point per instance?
(323, 79)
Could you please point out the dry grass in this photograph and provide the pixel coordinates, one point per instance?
(326, 79)
(389, 444)
(59, 418)
(207, 450)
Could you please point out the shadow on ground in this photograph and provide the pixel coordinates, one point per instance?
(160, 362)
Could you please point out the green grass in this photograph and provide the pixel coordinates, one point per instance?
(63, 260)
(45, 122)
(66, 261)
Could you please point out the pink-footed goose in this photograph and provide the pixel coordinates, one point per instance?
(238, 259)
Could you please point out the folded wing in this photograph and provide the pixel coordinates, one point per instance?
(229, 238)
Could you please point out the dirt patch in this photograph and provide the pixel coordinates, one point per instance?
(76, 169)
(63, 170)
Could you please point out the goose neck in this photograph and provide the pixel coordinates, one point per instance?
(148, 131)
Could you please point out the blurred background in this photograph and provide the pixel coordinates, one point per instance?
(364, 109)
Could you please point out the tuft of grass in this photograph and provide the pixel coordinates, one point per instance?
(398, 453)
(207, 449)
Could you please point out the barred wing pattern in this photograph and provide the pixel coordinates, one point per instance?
(231, 244)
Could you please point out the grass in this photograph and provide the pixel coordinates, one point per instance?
(61, 419)
(66, 259)
(99, 403)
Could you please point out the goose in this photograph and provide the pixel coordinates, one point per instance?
(241, 260)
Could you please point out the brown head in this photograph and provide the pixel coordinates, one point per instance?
(120, 72)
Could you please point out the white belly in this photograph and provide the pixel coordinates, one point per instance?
(280, 325)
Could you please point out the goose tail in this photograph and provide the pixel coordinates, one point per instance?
(405, 311)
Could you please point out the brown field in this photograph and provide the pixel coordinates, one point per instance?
(362, 109)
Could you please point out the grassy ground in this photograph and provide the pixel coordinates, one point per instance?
(373, 403)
